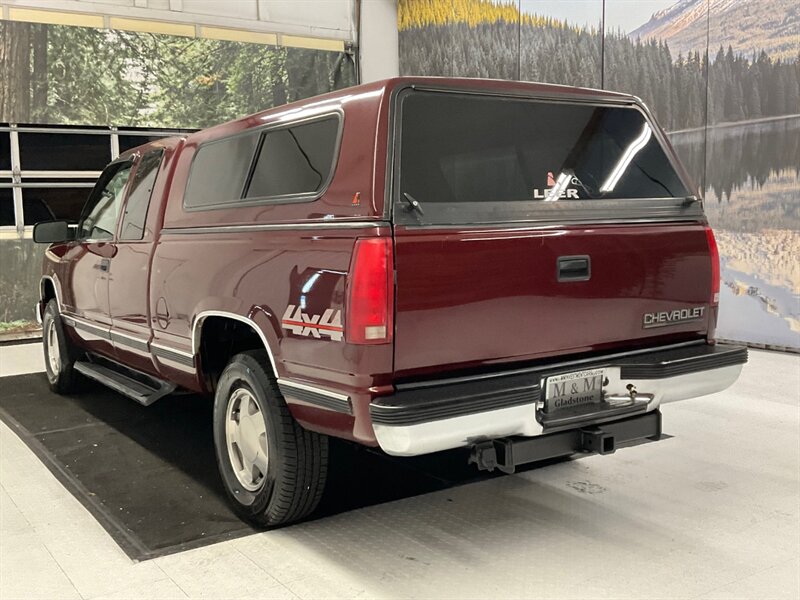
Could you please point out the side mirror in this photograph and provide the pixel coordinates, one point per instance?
(51, 232)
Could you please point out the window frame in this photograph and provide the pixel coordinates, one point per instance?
(262, 131)
(138, 158)
(100, 185)
(608, 211)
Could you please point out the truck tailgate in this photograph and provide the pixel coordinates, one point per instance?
(473, 296)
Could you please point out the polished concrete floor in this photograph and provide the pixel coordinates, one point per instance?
(713, 512)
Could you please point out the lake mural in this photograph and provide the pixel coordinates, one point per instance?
(722, 77)
(753, 203)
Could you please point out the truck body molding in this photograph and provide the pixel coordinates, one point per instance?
(200, 317)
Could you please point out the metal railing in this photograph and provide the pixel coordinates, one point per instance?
(19, 179)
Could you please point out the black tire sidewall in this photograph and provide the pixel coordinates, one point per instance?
(244, 371)
(63, 379)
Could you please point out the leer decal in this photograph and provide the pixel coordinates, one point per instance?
(328, 324)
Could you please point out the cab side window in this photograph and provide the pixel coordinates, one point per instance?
(142, 183)
(99, 216)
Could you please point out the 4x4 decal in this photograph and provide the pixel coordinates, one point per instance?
(328, 324)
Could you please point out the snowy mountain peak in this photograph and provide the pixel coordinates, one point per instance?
(747, 26)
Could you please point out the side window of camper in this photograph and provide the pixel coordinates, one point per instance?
(295, 161)
(279, 164)
(219, 172)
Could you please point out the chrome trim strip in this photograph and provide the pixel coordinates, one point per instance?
(338, 224)
(315, 390)
(154, 346)
(80, 323)
(129, 341)
(317, 397)
(170, 354)
(200, 317)
(55, 290)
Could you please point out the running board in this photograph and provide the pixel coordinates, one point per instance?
(143, 393)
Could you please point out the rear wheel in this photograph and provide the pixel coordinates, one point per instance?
(60, 353)
(274, 471)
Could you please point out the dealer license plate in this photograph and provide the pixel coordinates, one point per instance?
(574, 389)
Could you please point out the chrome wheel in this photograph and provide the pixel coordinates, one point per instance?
(246, 437)
(53, 353)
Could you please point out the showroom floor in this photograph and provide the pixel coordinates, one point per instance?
(713, 512)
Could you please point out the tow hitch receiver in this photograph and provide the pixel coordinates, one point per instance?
(508, 453)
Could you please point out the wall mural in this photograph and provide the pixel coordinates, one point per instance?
(57, 74)
(722, 77)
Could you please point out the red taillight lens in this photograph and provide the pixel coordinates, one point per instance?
(714, 253)
(369, 312)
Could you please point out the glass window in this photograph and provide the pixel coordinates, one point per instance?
(49, 203)
(64, 151)
(7, 208)
(219, 171)
(5, 151)
(99, 216)
(481, 158)
(295, 160)
(141, 189)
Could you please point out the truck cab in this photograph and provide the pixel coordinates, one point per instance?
(417, 264)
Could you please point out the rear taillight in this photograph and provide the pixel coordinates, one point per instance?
(369, 311)
(714, 254)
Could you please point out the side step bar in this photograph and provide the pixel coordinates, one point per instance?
(508, 453)
(117, 380)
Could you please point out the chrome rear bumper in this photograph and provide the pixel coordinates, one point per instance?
(427, 417)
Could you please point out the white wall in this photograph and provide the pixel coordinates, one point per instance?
(378, 49)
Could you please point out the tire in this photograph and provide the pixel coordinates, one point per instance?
(60, 353)
(295, 460)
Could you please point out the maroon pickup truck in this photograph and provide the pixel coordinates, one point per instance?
(416, 264)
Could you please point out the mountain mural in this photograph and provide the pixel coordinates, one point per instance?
(747, 26)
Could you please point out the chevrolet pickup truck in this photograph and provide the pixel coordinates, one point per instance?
(523, 271)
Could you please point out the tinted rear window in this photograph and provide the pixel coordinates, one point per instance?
(480, 158)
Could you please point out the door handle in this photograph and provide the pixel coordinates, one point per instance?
(103, 265)
(574, 268)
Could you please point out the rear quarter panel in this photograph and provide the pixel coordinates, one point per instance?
(257, 261)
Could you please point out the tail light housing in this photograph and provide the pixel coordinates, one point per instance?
(714, 254)
(369, 306)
